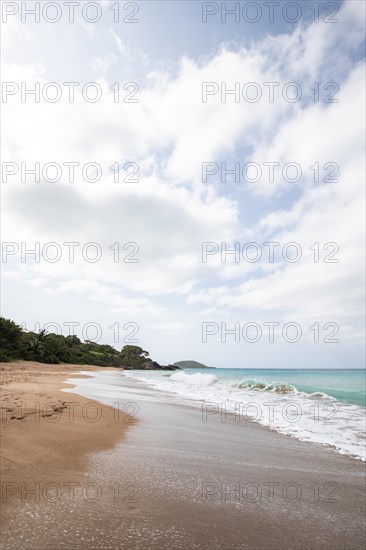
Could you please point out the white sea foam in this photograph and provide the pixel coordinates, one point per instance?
(198, 378)
(315, 417)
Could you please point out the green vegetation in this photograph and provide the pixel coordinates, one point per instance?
(134, 356)
(55, 348)
(10, 339)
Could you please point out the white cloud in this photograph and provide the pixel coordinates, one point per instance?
(102, 64)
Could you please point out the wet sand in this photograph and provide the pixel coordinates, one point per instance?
(175, 481)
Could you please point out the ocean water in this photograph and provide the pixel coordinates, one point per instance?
(321, 406)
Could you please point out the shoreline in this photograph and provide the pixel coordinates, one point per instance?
(48, 436)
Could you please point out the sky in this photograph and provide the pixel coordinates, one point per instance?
(188, 132)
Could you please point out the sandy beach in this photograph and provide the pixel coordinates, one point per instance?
(47, 436)
(165, 479)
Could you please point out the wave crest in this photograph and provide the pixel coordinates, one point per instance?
(262, 386)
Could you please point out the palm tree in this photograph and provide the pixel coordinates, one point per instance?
(36, 344)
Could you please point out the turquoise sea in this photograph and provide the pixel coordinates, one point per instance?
(347, 385)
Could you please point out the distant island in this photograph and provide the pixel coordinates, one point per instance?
(191, 365)
(51, 348)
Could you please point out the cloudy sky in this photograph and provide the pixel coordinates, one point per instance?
(187, 132)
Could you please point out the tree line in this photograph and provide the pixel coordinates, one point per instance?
(16, 343)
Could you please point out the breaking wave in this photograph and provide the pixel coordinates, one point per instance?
(262, 386)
